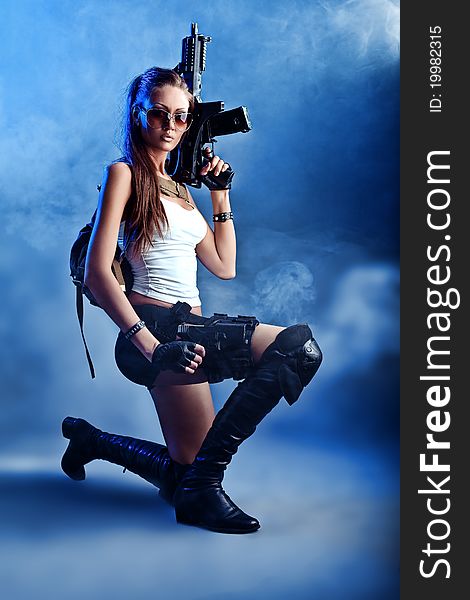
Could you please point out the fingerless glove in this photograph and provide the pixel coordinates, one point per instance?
(174, 356)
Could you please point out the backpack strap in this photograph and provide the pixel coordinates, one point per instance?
(79, 303)
(118, 274)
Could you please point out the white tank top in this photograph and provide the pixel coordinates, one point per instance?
(168, 270)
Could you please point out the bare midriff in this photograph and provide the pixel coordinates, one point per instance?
(135, 299)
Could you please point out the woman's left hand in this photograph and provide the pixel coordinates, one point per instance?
(215, 164)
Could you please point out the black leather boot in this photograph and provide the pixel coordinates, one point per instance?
(285, 368)
(149, 460)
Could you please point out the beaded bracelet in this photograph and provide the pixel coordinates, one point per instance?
(134, 329)
(223, 216)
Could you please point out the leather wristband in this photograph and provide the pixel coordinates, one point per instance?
(134, 329)
(223, 216)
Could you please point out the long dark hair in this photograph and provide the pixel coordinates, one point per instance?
(144, 212)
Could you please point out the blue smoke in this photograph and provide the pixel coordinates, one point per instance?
(315, 198)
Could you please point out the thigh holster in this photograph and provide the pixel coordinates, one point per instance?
(227, 341)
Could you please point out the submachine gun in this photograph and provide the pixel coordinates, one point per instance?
(209, 120)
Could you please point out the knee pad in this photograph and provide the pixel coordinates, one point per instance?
(299, 356)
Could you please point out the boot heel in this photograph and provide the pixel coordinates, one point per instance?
(68, 427)
(184, 520)
(72, 465)
(73, 460)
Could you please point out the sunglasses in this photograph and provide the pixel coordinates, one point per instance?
(157, 118)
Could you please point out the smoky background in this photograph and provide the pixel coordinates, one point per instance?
(315, 199)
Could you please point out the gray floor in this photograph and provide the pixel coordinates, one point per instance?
(329, 532)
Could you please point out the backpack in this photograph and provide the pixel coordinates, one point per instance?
(121, 270)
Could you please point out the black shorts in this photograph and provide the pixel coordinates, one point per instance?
(160, 320)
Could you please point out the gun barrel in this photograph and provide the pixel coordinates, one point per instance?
(193, 60)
